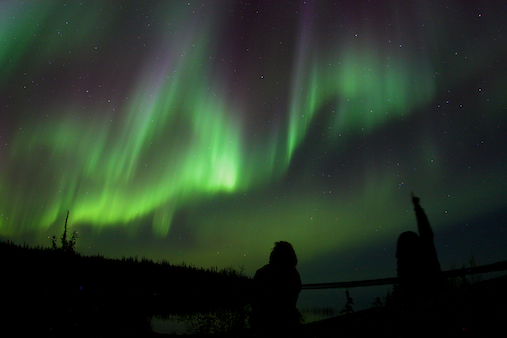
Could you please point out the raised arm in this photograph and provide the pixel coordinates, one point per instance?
(426, 235)
(423, 225)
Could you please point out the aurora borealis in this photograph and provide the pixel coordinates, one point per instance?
(205, 131)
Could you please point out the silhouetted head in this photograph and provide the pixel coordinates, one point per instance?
(408, 245)
(283, 254)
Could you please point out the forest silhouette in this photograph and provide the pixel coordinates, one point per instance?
(56, 291)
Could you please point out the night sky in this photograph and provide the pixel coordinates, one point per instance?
(204, 131)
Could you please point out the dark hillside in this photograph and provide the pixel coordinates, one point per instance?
(46, 290)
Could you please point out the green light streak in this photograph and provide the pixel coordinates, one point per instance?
(370, 85)
(179, 139)
(303, 107)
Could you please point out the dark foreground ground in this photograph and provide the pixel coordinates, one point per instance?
(479, 310)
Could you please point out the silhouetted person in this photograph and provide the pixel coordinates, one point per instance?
(418, 267)
(420, 279)
(276, 288)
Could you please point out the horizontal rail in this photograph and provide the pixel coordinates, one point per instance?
(371, 282)
(501, 266)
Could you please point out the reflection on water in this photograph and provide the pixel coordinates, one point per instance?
(220, 321)
(315, 314)
(217, 321)
(171, 324)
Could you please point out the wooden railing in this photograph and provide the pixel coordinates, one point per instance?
(501, 266)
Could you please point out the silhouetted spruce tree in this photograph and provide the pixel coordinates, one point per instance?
(68, 245)
(53, 242)
(474, 278)
(65, 243)
(348, 304)
(389, 298)
(377, 302)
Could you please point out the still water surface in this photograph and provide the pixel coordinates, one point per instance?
(176, 324)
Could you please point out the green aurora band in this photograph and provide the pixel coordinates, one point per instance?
(101, 166)
(176, 138)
